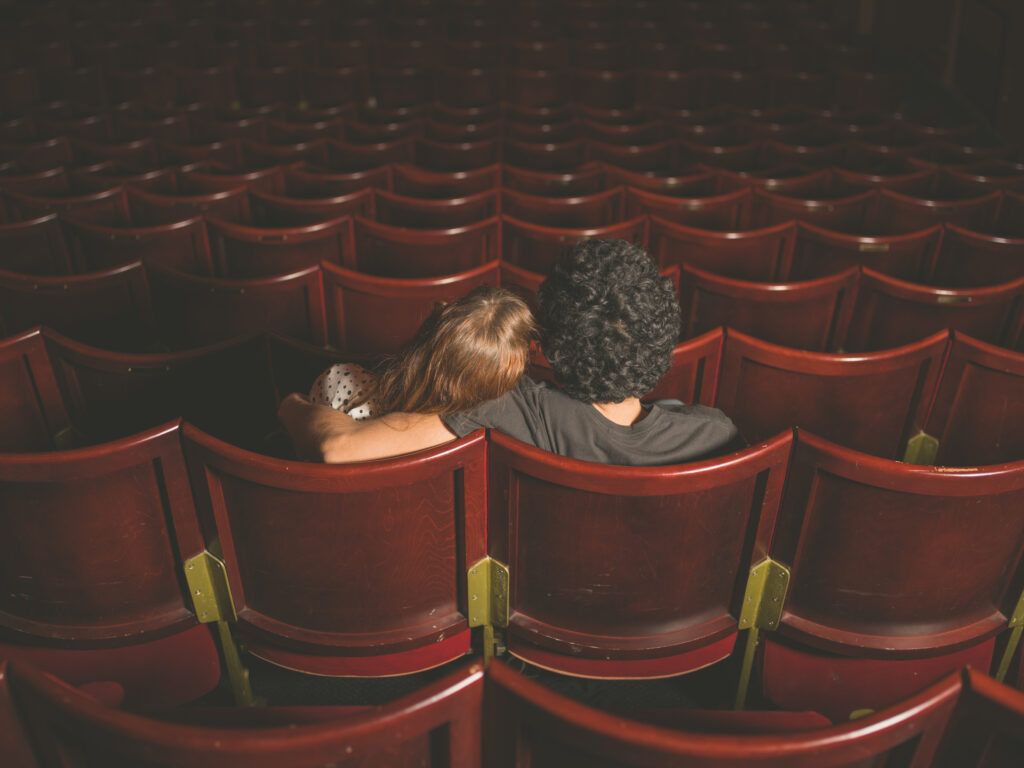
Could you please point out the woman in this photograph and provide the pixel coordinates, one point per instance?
(467, 352)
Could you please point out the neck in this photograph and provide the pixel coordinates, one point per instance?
(625, 413)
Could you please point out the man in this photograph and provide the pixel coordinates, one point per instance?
(608, 324)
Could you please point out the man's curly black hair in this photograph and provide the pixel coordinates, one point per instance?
(608, 321)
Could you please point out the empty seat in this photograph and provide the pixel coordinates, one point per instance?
(558, 731)
(224, 389)
(129, 618)
(647, 158)
(148, 208)
(760, 255)
(853, 631)
(598, 530)
(312, 181)
(347, 157)
(390, 251)
(402, 211)
(550, 130)
(891, 312)
(38, 155)
(596, 210)
(871, 402)
(181, 245)
(33, 416)
(34, 247)
(694, 183)
(788, 181)
(820, 251)
(692, 377)
(443, 718)
(377, 315)
(417, 182)
(284, 211)
(726, 212)
(427, 508)
(537, 87)
(564, 156)
(987, 724)
(194, 182)
(240, 251)
(898, 212)
(53, 181)
(535, 247)
(606, 89)
(969, 258)
(845, 214)
(106, 207)
(978, 415)
(584, 181)
(670, 89)
(194, 311)
(109, 308)
(812, 314)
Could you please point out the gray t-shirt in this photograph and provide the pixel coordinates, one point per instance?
(541, 415)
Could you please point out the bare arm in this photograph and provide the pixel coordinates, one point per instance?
(321, 433)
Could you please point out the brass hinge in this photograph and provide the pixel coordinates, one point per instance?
(208, 584)
(921, 449)
(487, 584)
(765, 595)
(1016, 624)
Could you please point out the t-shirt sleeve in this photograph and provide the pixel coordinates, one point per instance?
(514, 413)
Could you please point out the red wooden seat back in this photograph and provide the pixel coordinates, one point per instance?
(820, 251)
(969, 258)
(898, 212)
(987, 728)
(978, 414)
(804, 315)
(722, 212)
(597, 210)
(93, 543)
(181, 245)
(760, 255)
(391, 251)
(240, 251)
(528, 719)
(346, 570)
(457, 155)
(196, 311)
(32, 412)
(604, 560)
(693, 183)
(107, 206)
(417, 182)
(870, 402)
(225, 390)
(535, 247)
(401, 211)
(284, 211)
(439, 724)
(585, 181)
(891, 312)
(34, 247)
(872, 610)
(377, 315)
(109, 308)
(149, 208)
(846, 214)
(312, 182)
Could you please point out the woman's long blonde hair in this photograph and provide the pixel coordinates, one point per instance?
(466, 353)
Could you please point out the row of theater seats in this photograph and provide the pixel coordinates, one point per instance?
(388, 235)
(948, 399)
(500, 718)
(151, 307)
(462, 87)
(833, 561)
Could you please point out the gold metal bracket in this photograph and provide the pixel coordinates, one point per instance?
(487, 582)
(921, 449)
(763, 601)
(765, 595)
(1016, 625)
(487, 585)
(208, 584)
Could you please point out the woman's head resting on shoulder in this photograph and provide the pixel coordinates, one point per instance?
(467, 352)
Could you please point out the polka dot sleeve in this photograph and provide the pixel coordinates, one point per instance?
(341, 384)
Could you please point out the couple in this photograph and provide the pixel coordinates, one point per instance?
(608, 323)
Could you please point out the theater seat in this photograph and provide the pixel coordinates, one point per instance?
(94, 541)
